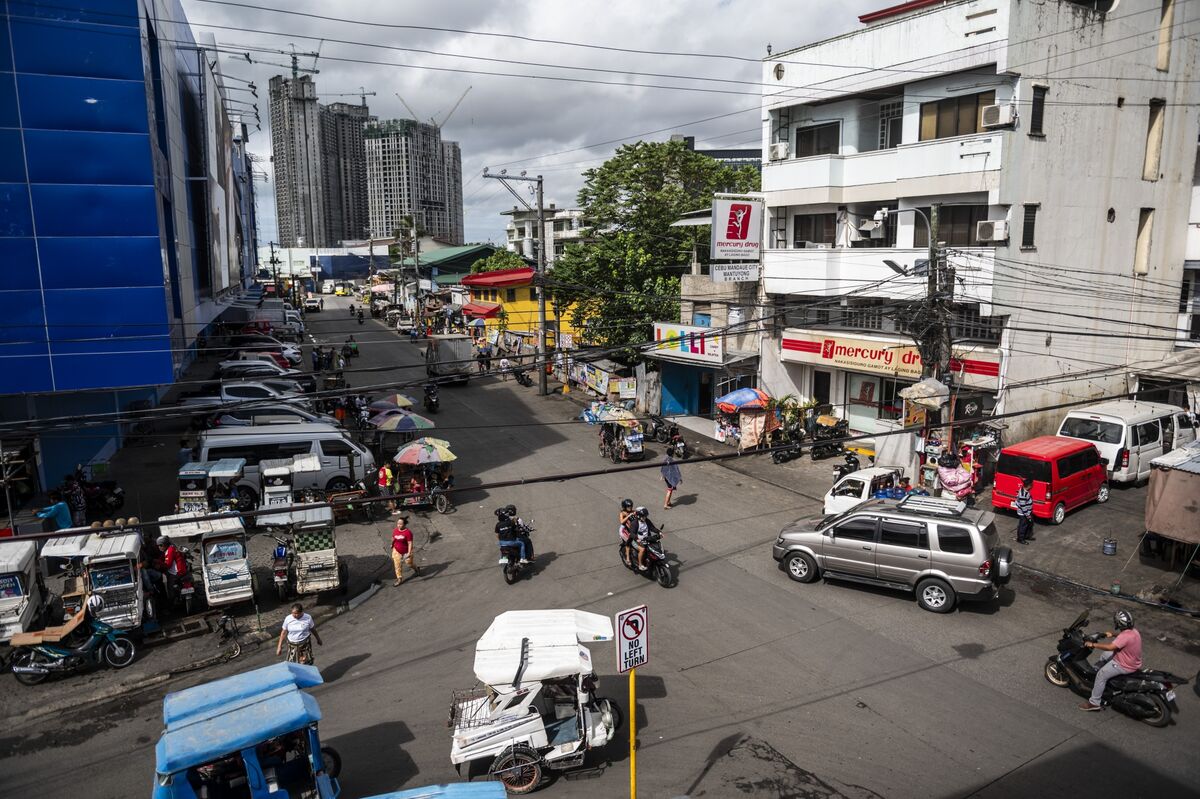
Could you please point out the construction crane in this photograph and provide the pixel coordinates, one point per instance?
(361, 93)
(433, 120)
(295, 57)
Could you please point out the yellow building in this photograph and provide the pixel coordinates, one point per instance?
(507, 299)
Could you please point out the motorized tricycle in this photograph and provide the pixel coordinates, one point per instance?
(107, 566)
(224, 561)
(25, 603)
(536, 708)
(428, 483)
(621, 441)
(211, 486)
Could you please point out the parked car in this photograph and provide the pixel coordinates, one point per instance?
(264, 357)
(860, 486)
(312, 305)
(260, 371)
(936, 548)
(1130, 434)
(259, 342)
(238, 391)
(267, 413)
(1066, 472)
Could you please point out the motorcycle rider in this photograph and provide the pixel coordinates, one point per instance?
(171, 563)
(522, 530)
(507, 532)
(627, 526)
(1126, 657)
(644, 529)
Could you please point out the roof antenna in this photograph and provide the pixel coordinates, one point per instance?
(768, 48)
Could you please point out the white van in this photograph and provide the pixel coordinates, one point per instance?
(1130, 434)
(337, 453)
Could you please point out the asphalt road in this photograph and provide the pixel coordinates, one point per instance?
(756, 685)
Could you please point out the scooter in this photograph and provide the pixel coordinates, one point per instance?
(32, 664)
(657, 566)
(659, 429)
(676, 446)
(510, 556)
(431, 400)
(522, 378)
(360, 317)
(787, 439)
(104, 498)
(281, 568)
(1147, 696)
(827, 438)
(852, 464)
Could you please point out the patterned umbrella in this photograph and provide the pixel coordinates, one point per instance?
(618, 416)
(743, 399)
(425, 450)
(391, 402)
(401, 421)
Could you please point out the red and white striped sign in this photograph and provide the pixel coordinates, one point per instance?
(887, 356)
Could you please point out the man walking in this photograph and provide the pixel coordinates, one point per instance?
(76, 501)
(384, 481)
(316, 359)
(57, 512)
(1024, 508)
(299, 629)
(402, 550)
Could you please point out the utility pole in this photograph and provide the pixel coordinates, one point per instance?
(539, 278)
(275, 269)
(418, 310)
(930, 366)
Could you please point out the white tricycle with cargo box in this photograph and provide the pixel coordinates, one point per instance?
(225, 566)
(305, 560)
(108, 565)
(536, 709)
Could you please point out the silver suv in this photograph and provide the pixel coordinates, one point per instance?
(937, 548)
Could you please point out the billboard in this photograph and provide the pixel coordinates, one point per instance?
(736, 229)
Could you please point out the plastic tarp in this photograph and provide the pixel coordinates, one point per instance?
(1173, 496)
(743, 399)
(230, 691)
(458, 790)
(928, 393)
(554, 645)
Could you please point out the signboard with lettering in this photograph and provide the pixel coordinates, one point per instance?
(633, 638)
(893, 357)
(689, 343)
(733, 273)
(736, 229)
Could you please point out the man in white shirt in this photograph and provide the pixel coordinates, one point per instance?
(505, 367)
(299, 629)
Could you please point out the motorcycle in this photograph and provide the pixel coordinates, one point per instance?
(104, 498)
(786, 443)
(431, 400)
(360, 317)
(33, 662)
(510, 556)
(522, 378)
(852, 464)
(659, 429)
(827, 434)
(657, 566)
(676, 446)
(281, 568)
(1147, 696)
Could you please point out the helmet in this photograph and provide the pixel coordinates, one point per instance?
(641, 511)
(95, 602)
(627, 504)
(511, 510)
(163, 541)
(500, 512)
(1123, 620)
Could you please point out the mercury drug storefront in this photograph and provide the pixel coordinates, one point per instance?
(862, 376)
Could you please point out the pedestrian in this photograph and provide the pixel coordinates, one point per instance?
(76, 501)
(479, 358)
(57, 512)
(672, 477)
(487, 359)
(341, 362)
(402, 550)
(505, 367)
(1024, 508)
(321, 302)
(316, 359)
(299, 629)
(384, 481)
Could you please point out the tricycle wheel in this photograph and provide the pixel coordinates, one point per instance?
(331, 761)
(441, 503)
(25, 659)
(614, 455)
(519, 768)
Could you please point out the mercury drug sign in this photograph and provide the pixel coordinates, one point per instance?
(736, 229)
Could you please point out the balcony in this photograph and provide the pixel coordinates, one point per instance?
(839, 271)
(941, 166)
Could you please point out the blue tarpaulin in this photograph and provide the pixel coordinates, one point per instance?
(458, 790)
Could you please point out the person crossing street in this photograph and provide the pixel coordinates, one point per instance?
(402, 550)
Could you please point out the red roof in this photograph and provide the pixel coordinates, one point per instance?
(897, 10)
(483, 309)
(500, 278)
(1048, 447)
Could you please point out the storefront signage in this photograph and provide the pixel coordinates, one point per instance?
(736, 229)
(627, 387)
(892, 357)
(689, 343)
(733, 273)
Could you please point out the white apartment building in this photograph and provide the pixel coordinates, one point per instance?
(1058, 143)
(563, 226)
(411, 171)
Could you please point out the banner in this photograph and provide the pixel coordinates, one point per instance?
(689, 343)
(736, 229)
(733, 273)
(975, 366)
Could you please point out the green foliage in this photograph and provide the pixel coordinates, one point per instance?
(500, 259)
(626, 275)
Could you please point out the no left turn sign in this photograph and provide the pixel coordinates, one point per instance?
(633, 638)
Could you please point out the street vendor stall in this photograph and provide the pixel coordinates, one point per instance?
(424, 471)
(1172, 512)
(742, 417)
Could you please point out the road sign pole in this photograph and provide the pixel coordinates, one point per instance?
(633, 734)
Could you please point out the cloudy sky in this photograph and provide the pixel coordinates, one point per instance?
(519, 120)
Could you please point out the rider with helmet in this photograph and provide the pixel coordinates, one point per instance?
(508, 532)
(1126, 658)
(644, 528)
(626, 524)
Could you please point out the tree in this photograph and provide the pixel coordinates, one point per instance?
(626, 275)
(500, 259)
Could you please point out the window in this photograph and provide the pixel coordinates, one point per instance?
(1091, 430)
(248, 392)
(1029, 226)
(1166, 21)
(818, 139)
(1069, 465)
(955, 539)
(860, 528)
(1022, 467)
(510, 295)
(1037, 111)
(1141, 253)
(1154, 137)
(954, 116)
(1147, 433)
(533, 295)
(850, 488)
(336, 448)
(817, 228)
(891, 124)
(957, 225)
(903, 534)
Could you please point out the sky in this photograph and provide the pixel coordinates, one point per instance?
(518, 121)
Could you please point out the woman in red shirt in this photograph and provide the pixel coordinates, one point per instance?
(402, 550)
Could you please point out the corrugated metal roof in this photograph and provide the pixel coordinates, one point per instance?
(1185, 459)
(15, 554)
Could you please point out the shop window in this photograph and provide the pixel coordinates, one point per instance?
(814, 228)
(957, 225)
(954, 116)
(818, 139)
(875, 397)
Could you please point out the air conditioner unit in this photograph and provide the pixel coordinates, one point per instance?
(999, 116)
(992, 230)
(778, 151)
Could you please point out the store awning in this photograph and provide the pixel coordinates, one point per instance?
(485, 310)
(731, 359)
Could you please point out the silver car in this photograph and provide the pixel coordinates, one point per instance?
(938, 549)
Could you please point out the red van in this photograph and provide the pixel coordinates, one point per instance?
(1066, 473)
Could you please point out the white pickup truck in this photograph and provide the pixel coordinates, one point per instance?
(860, 486)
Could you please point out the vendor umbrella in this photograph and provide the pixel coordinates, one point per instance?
(390, 402)
(424, 450)
(401, 421)
(743, 399)
(617, 416)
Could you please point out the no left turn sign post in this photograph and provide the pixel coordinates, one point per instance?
(633, 638)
